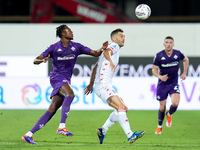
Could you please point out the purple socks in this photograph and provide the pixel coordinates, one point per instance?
(161, 116)
(47, 115)
(172, 109)
(65, 108)
(42, 121)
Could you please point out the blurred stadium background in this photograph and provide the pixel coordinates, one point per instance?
(27, 27)
(59, 11)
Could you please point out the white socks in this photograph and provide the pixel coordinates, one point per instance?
(29, 133)
(169, 114)
(112, 119)
(123, 121)
(61, 125)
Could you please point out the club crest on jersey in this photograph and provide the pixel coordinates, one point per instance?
(73, 48)
(175, 56)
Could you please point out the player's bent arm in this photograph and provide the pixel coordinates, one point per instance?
(97, 53)
(185, 65)
(155, 71)
(93, 74)
(107, 54)
(40, 59)
(89, 88)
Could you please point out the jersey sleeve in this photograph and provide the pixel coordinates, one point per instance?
(156, 60)
(48, 51)
(182, 56)
(113, 47)
(83, 49)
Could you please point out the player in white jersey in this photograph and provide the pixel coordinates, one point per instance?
(102, 75)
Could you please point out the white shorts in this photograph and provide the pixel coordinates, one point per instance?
(104, 91)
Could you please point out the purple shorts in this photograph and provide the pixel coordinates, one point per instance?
(57, 80)
(164, 90)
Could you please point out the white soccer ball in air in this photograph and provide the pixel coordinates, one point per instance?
(143, 11)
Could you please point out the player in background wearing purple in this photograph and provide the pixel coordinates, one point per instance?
(64, 54)
(102, 75)
(167, 62)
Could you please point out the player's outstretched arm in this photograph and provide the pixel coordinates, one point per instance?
(155, 73)
(89, 88)
(40, 59)
(97, 53)
(185, 68)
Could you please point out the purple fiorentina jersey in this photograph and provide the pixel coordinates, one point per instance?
(64, 58)
(168, 65)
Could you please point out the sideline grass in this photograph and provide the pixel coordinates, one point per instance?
(184, 133)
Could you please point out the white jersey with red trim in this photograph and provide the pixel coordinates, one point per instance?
(104, 73)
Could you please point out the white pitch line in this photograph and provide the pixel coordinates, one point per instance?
(179, 145)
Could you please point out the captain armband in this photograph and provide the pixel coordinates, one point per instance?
(102, 49)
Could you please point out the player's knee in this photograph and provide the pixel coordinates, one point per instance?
(162, 109)
(69, 93)
(175, 104)
(53, 108)
(126, 108)
(122, 107)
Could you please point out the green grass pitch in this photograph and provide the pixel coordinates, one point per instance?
(184, 133)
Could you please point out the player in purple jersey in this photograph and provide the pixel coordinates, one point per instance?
(167, 62)
(64, 54)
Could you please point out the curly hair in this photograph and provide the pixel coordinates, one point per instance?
(59, 30)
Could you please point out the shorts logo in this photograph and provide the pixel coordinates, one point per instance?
(176, 88)
(158, 97)
(64, 80)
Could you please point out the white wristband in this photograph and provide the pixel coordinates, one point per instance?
(42, 60)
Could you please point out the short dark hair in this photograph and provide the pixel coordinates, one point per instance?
(115, 32)
(169, 37)
(59, 30)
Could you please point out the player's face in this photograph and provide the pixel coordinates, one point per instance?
(168, 44)
(68, 34)
(120, 39)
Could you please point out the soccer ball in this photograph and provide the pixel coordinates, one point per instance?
(143, 11)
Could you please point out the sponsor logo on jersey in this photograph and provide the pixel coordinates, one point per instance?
(66, 57)
(170, 64)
